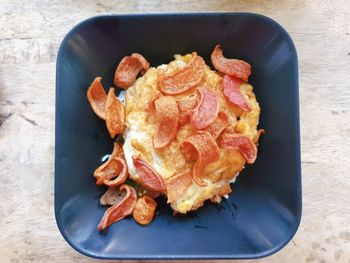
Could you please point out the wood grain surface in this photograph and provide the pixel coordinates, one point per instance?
(30, 34)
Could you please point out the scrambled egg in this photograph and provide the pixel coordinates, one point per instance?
(169, 161)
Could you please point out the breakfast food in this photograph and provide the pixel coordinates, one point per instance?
(188, 131)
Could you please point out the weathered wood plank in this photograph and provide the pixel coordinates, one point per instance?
(30, 34)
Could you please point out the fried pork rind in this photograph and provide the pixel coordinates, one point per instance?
(183, 79)
(112, 196)
(115, 114)
(202, 147)
(178, 184)
(120, 209)
(144, 210)
(113, 172)
(128, 69)
(167, 118)
(97, 97)
(232, 67)
(218, 125)
(235, 141)
(150, 179)
(231, 89)
(207, 109)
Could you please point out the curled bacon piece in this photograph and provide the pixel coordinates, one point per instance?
(207, 109)
(218, 125)
(178, 184)
(115, 114)
(128, 69)
(97, 97)
(231, 89)
(183, 79)
(167, 118)
(112, 173)
(150, 179)
(242, 143)
(202, 147)
(233, 67)
(144, 210)
(121, 209)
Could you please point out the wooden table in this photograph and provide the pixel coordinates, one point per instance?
(30, 34)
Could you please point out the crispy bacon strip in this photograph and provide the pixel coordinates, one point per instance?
(145, 64)
(218, 125)
(202, 146)
(115, 114)
(112, 173)
(178, 184)
(128, 69)
(233, 67)
(183, 79)
(144, 210)
(97, 97)
(119, 210)
(167, 117)
(207, 109)
(231, 89)
(150, 179)
(242, 143)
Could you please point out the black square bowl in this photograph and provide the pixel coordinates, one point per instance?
(263, 212)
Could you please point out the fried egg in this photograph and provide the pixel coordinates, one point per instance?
(140, 127)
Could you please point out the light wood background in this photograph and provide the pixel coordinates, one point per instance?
(30, 34)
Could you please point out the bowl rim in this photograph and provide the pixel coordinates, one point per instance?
(296, 130)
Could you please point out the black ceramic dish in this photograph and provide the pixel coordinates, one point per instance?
(264, 210)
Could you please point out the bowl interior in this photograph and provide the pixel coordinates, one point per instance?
(262, 213)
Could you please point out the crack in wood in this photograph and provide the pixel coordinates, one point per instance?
(308, 162)
(29, 120)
